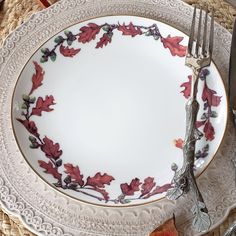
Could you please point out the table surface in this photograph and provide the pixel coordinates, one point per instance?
(15, 12)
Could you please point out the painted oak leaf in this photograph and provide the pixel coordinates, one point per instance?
(130, 29)
(68, 52)
(179, 143)
(37, 77)
(51, 150)
(158, 190)
(50, 169)
(74, 173)
(30, 126)
(88, 32)
(130, 189)
(209, 96)
(43, 105)
(99, 180)
(103, 192)
(187, 87)
(104, 40)
(198, 124)
(209, 131)
(175, 48)
(147, 186)
(166, 229)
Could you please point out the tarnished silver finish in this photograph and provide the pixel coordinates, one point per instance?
(234, 165)
(232, 85)
(231, 231)
(232, 74)
(198, 57)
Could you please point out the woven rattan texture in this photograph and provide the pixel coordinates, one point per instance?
(14, 12)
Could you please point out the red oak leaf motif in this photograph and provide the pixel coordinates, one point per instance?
(37, 77)
(209, 131)
(147, 186)
(103, 192)
(130, 29)
(187, 87)
(104, 40)
(179, 143)
(99, 180)
(74, 173)
(49, 169)
(43, 105)
(50, 149)
(89, 32)
(68, 52)
(158, 190)
(209, 96)
(129, 189)
(30, 126)
(166, 229)
(175, 48)
(198, 124)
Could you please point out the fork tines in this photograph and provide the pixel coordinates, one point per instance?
(198, 34)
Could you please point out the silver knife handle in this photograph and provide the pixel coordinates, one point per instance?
(233, 160)
(231, 231)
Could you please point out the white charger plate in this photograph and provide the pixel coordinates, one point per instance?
(45, 209)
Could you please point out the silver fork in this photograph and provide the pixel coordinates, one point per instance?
(199, 54)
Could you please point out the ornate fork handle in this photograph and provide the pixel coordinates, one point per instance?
(198, 56)
(184, 179)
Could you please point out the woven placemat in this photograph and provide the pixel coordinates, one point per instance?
(15, 12)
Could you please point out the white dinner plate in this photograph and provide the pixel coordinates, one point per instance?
(99, 110)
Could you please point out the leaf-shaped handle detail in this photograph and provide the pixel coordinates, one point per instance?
(174, 193)
(202, 220)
